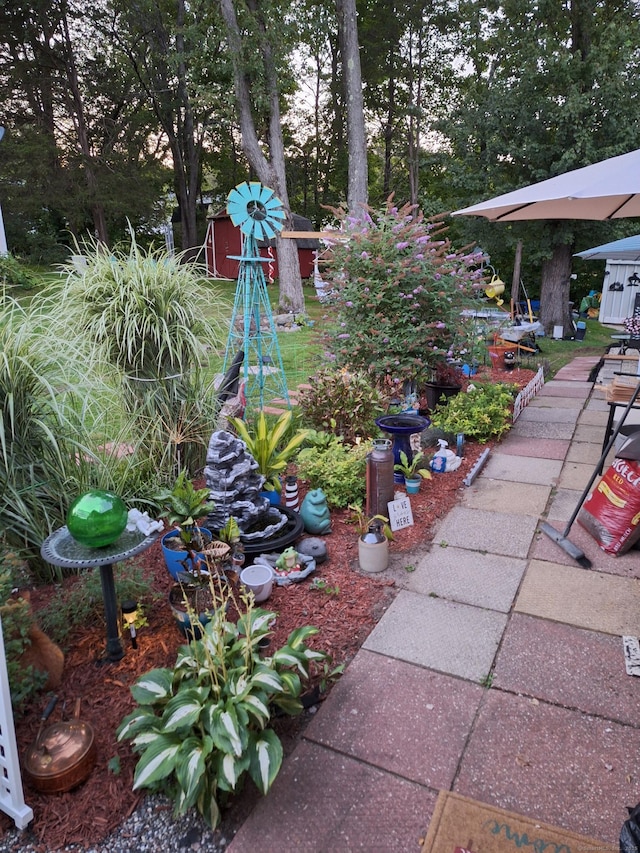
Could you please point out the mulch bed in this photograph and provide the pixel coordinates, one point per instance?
(89, 813)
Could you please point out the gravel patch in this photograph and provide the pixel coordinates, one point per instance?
(150, 829)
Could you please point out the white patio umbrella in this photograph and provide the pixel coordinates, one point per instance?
(609, 189)
(627, 249)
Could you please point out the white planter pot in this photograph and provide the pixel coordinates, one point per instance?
(373, 557)
(259, 580)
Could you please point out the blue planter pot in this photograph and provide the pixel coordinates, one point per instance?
(272, 496)
(412, 485)
(175, 559)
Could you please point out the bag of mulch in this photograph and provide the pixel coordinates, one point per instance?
(611, 513)
(630, 833)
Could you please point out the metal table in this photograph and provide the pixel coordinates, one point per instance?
(61, 549)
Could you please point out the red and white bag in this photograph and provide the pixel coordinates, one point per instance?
(611, 513)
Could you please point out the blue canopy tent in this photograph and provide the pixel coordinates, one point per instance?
(627, 249)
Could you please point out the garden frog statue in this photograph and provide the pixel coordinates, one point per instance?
(288, 561)
(315, 513)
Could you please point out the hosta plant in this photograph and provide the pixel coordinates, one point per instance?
(201, 726)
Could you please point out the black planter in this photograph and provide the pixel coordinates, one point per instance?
(434, 393)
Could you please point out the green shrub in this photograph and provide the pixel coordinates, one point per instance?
(345, 402)
(399, 290)
(14, 274)
(337, 469)
(483, 412)
(24, 681)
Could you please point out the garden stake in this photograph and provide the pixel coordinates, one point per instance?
(561, 538)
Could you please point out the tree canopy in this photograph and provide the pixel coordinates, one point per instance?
(124, 110)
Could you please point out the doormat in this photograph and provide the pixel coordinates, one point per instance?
(460, 825)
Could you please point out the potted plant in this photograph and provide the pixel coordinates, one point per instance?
(203, 723)
(373, 541)
(265, 443)
(412, 471)
(183, 505)
(194, 597)
(446, 381)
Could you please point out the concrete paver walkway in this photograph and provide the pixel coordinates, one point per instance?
(497, 672)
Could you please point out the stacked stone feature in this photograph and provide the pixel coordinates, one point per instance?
(234, 483)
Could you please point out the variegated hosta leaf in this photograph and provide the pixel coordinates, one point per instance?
(227, 734)
(257, 708)
(190, 770)
(184, 709)
(283, 657)
(299, 636)
(152, 687)
(207, 804)
(291, 682)
(311, 654)
(157, 761)
(267, 679)
(229, 769)
(142, 719)
(256, 621)
(265, 758)
(288, 704)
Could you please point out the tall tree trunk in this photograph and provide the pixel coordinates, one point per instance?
(78, 112)
(554, 291)
(358, 185)
(272, 171)
(190, 171)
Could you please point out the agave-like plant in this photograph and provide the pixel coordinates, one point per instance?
(200, 726)
(265, 443)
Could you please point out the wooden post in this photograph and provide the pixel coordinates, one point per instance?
(515, 281)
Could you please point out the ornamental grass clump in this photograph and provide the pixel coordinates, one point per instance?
(399, 292)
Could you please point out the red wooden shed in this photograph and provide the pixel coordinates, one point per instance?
(224, 239)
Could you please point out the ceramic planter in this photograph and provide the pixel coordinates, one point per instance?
(373, 549)
(174, 559)
(412, 485)
(181, 616)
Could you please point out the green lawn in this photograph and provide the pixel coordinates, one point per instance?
(302, 351)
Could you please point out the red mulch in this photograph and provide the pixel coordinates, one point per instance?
(90, 812)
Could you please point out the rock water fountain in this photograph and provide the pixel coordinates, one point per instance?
(234, 481)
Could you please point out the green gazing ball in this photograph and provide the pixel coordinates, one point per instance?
(97, 518)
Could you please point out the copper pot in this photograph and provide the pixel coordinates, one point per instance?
(63, 755)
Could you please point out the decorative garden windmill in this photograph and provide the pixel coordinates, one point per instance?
(260, 216)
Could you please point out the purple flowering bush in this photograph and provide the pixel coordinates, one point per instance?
(399, 289)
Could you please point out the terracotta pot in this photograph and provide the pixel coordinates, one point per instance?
(497, 351)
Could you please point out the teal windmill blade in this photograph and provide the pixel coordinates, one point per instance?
(259, 214)
(256, 210)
